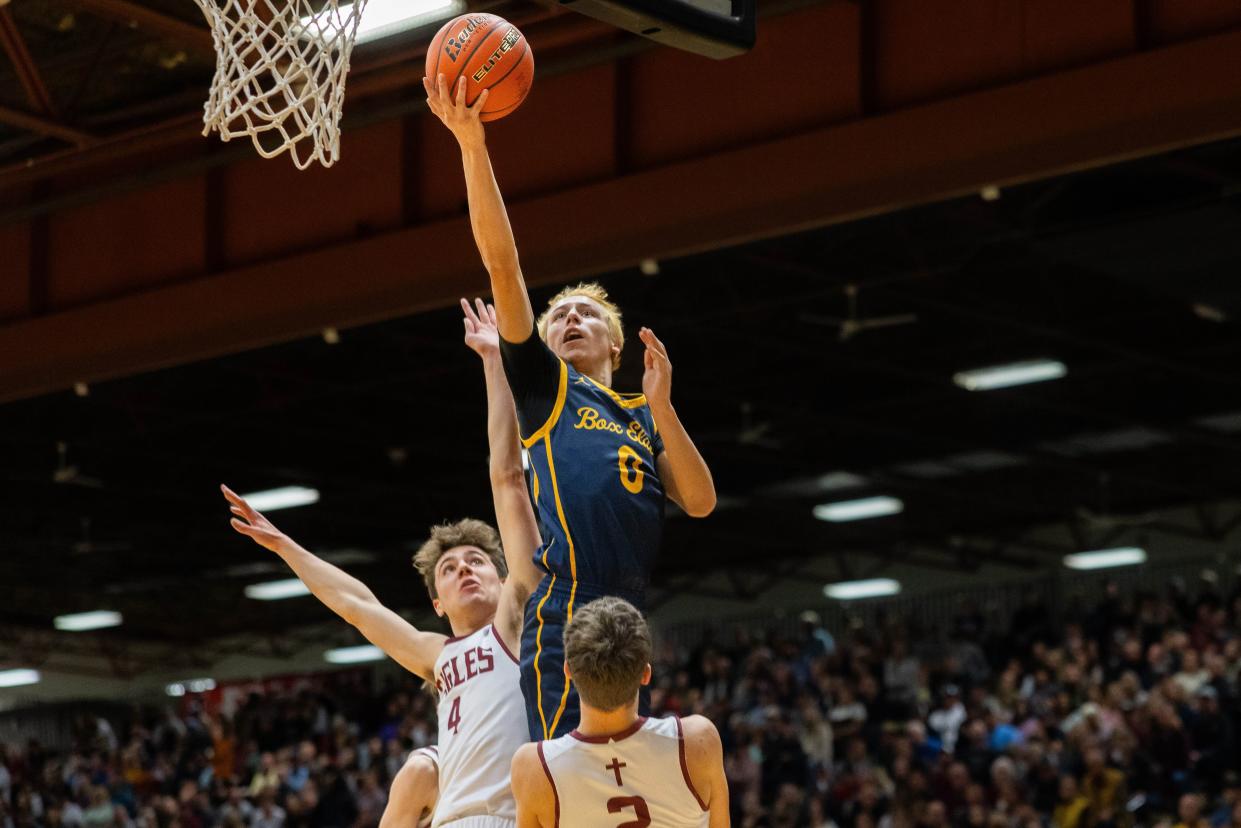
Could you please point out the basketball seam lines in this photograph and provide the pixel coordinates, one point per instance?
(515, 64)
(438, 53)
(510, 107)
(470, 57)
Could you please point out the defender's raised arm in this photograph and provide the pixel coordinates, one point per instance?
(342, 593)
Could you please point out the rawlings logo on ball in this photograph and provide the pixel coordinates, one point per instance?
(454, 45)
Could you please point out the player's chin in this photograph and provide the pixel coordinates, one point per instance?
(578, 350)
(476, 594)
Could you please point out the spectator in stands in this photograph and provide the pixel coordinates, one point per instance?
(1189, 809)
(1073, 809)
(268, 814)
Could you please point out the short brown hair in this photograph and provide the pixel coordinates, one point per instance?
(607, 646)
(446, 536)
(596, 293)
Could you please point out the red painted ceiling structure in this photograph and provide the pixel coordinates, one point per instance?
(154, 246)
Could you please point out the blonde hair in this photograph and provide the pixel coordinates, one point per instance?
(607, 646)
(596, 293)
(446, 536)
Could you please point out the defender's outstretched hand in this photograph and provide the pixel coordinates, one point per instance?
(482, 336)
(657, 379)
(252, 524)
(449, 106)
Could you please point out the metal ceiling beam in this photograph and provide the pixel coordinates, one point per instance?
(196, 38)
(44, 126)
(43, 120)
(384, 74)
(27, 72)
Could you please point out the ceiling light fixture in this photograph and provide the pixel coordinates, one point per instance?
(383, 18)
(19, 677)
(1106, 558)
(866, 507)
(868, 588)
(1006, 376)
(285, 497)
(277, 590)
(198, 685)
(354, 655)
(82, 621)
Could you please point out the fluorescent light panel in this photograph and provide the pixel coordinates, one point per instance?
(867, 507)
(277, 590)
(1006, 376)
(354, 655)
(382, 18)
(81, 621)
(1106, 558)
(19, 678)
(869, 588)
(285, 497)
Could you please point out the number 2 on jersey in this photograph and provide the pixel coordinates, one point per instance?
(631, 473)
(619, 803)
(454, 715)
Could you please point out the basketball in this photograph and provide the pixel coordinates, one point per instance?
(491, 54)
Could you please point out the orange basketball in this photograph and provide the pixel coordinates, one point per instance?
(491, 53)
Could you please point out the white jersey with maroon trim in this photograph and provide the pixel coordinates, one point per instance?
(482, 723)
(637, 777)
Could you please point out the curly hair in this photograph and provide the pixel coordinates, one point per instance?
(446, 536)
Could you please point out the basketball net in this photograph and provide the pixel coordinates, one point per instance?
(280, 74)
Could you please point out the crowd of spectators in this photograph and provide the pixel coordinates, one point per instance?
(321, 758)
(1119, 714)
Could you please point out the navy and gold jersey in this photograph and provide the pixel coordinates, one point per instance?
(600, 505)
(596, 488)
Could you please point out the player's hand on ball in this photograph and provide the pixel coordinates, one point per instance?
(657, 379)
(449, 106)
(482, 335)
(252, 524)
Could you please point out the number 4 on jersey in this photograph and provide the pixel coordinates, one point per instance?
(454, 716)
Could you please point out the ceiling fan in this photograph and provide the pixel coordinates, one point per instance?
(851, 325)
(71, 475)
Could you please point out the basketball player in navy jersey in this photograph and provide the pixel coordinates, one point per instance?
(602, 463)
(619, 768)
(474, 671)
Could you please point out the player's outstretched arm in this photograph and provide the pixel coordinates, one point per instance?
(536, 797)
(704, 759)
(519, 531)
(342, 593)
(415, 788)
(684, 473)
(488, 218)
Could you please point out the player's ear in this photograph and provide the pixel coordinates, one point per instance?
(646, 675)
(567, 675)
(439, 608)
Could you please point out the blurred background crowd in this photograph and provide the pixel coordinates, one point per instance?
(1121, 713)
